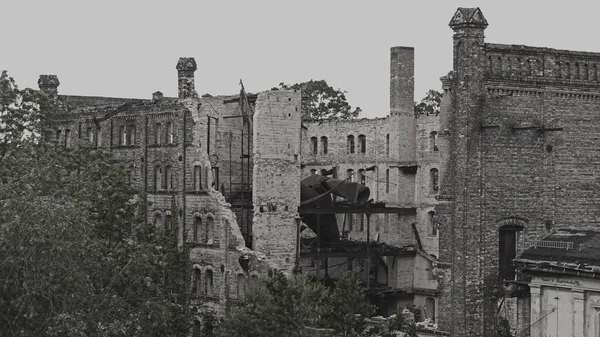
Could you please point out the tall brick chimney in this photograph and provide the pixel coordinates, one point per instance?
(49, 84)
(185, 71)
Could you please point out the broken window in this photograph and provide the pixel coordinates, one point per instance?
(90, 135)
(197, 228)
(157, 176)
(313, 172)
(158, 134)
(170, 133)
(241, 286)
(168, 182)
(131, 135)
(197, 280)
(362, 143)
(58, 135)
(314, 145)
(350, 144)
(433, 141)
(122, 135)
(387, 181)
(210, 228)
(168, 220)
(431, 221)
(387, 145)
(430, 308)
(67, 138)
(208, 283)
(197, 180)
(434, 180)
(507, 249)
(324, 144)
(157, 220)
(361, 176)
(350, 175)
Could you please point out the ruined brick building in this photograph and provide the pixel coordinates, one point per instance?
(456, 196)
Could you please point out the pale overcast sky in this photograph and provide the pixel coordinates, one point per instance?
(130, 48)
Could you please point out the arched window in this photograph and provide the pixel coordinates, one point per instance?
(168, 182)
(197, 178)
(387, 145)
(350, 175)
(130, 173)
(362, 143)
(122, 135)
(313, 172)
(361, 176)
(433, 141)
(210, 228)
(387, 181)
(241, 286)
(157, 176)
(67, 138)
(208, 283)
(197, 329)
(197, 282)
(313, 145)
(157, 220)
(158, 134)
(90, 135)
(131, 135)
(350, 142)
(197, 228)
(431, 223)
(324, 144)
(170, 134)
(434, 180)
(430, 308)
(509, 239)
(168, 220)
(58, 135)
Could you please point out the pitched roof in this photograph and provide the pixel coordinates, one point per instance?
(468, 16)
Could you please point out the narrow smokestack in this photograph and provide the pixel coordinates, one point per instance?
(402, 80)
(185, 70)
(49, 84)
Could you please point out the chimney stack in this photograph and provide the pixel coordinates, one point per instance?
(185, 71)
(49, 84)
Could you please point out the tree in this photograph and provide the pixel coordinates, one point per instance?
(321, 102)
(75, 258)
(20, 112)
(430, 104)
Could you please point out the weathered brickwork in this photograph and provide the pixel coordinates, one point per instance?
(523, 128)
(276, 182)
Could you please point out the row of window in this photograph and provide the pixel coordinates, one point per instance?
(165, 179)
(351, 148)
(362, 144)
(204, 286)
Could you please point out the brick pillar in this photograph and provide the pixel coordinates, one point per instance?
(276, 175)
(467, 308)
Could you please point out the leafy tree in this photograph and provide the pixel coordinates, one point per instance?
(75, 259)
(430, 104)
(20, 112)
(321, 102)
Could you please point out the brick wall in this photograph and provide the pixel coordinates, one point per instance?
(522, 148)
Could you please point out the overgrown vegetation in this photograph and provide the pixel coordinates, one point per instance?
(75, 257)
(281, 306)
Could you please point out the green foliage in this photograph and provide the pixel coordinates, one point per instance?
(321, 102)
(75, 259)
(430, 104)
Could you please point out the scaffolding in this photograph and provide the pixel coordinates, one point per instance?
(239, 194)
